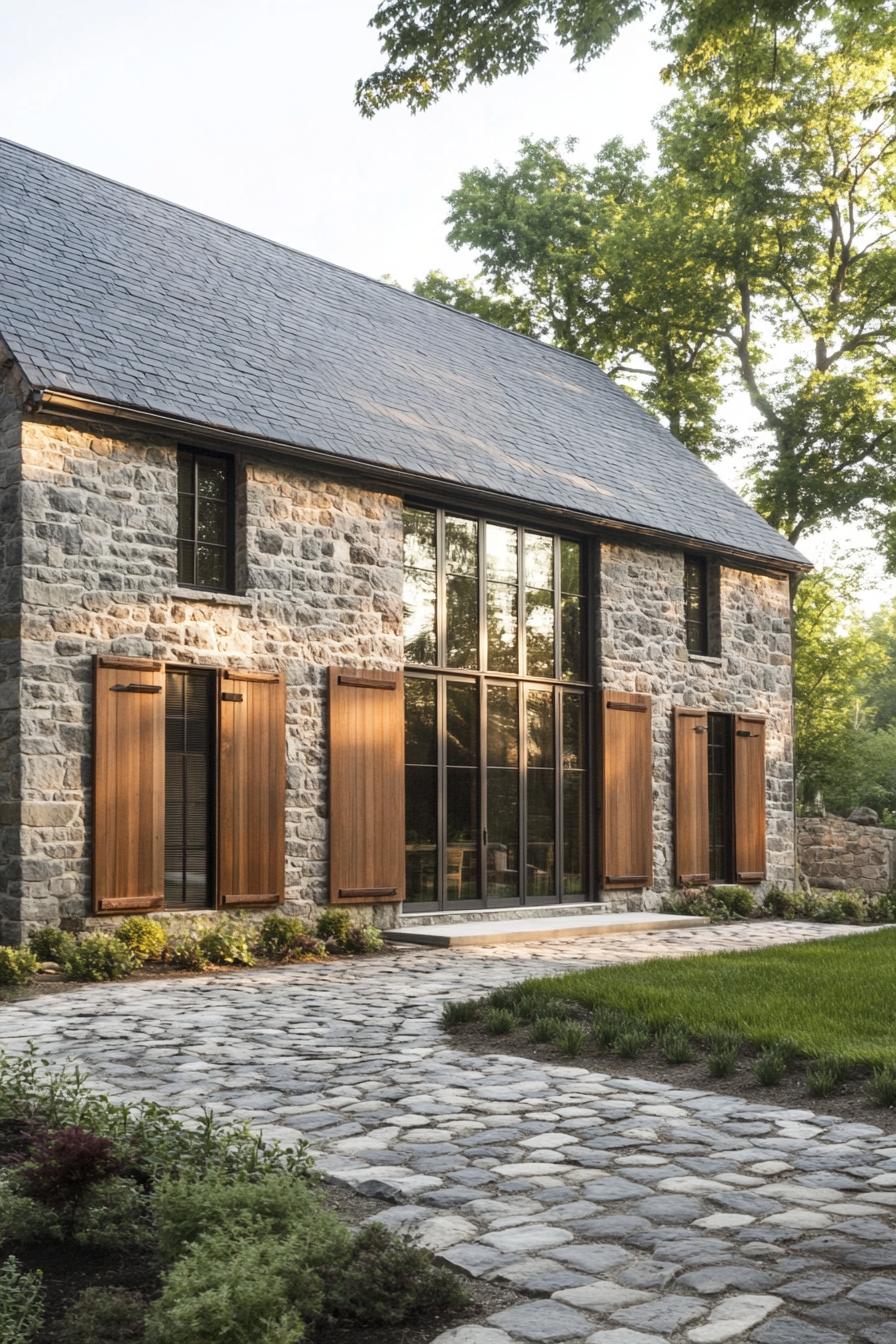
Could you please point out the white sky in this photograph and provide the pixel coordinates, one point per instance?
(246, 112)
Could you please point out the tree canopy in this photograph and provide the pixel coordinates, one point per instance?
(434, 46)
(758, 255)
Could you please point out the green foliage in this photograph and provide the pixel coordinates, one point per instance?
(385, 1281)
(227, 942)
(18, 965)
(571, 1039)
(736, 900)
(699, 901)
(881, 1087)
(771, 1065)
(334, 925)
(51, 944)
(607, 1024)
(98, 956)
(144, 938)
(460, 1012)
(781, 904)
(21, 1303)
(113, 1213)
(185, 1208)
(104, 1316)
(631, 1042)
(342, 935)
(23, 1219)
(185, 949)
(499, 1021)
(675, 1046)
(543, 1030)
(824, 1076)
(286, 938)
(724, 1050)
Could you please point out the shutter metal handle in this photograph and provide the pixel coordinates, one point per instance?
(701, 730)
(138, 686)
(231, 695)
(367, 683)
(621, 704)
(637, 879)
(745, 732)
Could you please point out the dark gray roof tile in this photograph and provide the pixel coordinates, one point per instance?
(113, 294)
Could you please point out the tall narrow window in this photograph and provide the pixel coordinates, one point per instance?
(503, 788)
(462, 592)
(419, 586)
(538, 566)
(502, 598)
(575, 820)
(719, 771)
(696, 604)
(421, 790)
(541, 783)
(462, 790)
(205, 508)
(189, 753)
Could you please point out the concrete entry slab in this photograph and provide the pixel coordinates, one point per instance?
(530, 930)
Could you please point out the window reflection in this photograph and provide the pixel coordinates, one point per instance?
(420, 586)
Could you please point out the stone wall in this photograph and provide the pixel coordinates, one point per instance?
(10, 649)
(322, 581)
(841, 855)
(642, 648)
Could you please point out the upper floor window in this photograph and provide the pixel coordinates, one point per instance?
(492, 598)
(701, 602)
(205, 507)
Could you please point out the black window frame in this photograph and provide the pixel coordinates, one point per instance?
(195, 456)
(699, 589)
(483, 676)
(211, 676)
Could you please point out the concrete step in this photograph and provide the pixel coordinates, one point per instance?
(409, 919)
(481, 932)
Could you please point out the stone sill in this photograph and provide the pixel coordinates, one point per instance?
(711, 658)
(210, 597)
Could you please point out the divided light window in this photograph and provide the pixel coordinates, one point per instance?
(496, 714)
(205, 508)
(696, 604)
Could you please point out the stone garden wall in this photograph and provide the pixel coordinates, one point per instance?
(321, 574)
(642, 648)
(841, 855)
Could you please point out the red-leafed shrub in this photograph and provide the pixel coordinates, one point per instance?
(59, 1166)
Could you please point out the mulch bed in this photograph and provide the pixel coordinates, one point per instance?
(848, 1102)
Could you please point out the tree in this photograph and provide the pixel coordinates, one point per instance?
(759, 255)
(434, 46)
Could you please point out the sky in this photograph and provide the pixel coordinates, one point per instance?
(246, 112)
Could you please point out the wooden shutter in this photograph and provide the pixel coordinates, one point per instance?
(366, 785)
(128, 785)
(691, 732)
(251, 787)
(627, 804)
(749, 797)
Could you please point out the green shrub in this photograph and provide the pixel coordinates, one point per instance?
(571, 1039)
(675, 1046)
(227, 942)
(186, 1208)
(363, 939)
(736, 900)
(286, 938)
(781, 904)
(104, 1316)
(21, 1303)
(144, 938)
(185, 950)
(333, 926)
(99, 957)
(23, 1219)
(51, 944)
(699, 901)
(545, 1029)
(607, 1024)
(499, 1021)
(881, 1086)
(18, 965)
(461, 1011)
(528, 1006)
(771, 1065)
(724, 1051)
(112, 1214)
(631, 1042)
(386, 1281)
(824, 1076)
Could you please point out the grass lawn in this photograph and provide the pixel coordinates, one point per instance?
(835, 998)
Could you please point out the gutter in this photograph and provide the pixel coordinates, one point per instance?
(46, 401)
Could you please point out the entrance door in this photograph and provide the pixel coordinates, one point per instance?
(189, 789)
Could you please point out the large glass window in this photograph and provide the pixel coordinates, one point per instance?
(497, 714)
(189, 741)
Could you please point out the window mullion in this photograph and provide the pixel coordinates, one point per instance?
(523, 759)
(195, 518)
(558, 793)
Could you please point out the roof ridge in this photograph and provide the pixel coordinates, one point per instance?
(323, 261)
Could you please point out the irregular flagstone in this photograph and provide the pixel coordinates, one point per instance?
(604, 1195)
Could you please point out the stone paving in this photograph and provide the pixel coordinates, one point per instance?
(625, 1212)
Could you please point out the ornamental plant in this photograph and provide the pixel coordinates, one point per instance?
(99, 957)
(144, 938)
(18, 965)
(52, 944)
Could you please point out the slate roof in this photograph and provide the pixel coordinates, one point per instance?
(115, 295)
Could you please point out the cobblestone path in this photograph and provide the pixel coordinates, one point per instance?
(627, 1212)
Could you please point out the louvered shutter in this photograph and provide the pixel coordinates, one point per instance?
(251, 787)
(749, 797)
(691, 732)
(627, 793)
(128, 785)
(366, 786)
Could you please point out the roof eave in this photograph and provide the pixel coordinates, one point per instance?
(48, 401)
